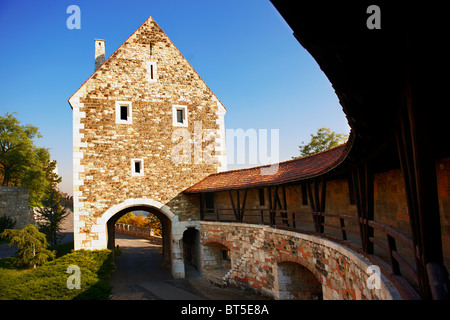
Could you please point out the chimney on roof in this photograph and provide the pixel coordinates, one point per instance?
(99, 53)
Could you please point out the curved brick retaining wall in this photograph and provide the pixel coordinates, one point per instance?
(258, 255)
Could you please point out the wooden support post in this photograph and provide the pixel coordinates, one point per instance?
(241, 213)
(238, 206)
(317, 200)
(285, 214)
(395, 266)
(363, 181)
(233, 206)
(313, 206)
(355, 183)
(322, 203)
(270, 206)
(344, 233)
(419, 174)
(275, 202)
(370, 205)
(202, 204)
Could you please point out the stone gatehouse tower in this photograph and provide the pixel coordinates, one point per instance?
(145, 128)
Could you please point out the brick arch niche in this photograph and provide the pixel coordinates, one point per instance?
(295, 282)
(216, 261)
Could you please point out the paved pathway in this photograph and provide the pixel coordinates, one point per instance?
(138, 276)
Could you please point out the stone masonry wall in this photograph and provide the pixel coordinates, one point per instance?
(257, 250)
(151, 76)
(14, 204)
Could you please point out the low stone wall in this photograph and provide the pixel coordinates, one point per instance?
(259, 255)
(138, 232)
(14, 204)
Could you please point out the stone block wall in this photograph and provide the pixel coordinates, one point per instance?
(258, 251)
(14, 204)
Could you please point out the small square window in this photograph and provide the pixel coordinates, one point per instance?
(180, 118)
(124, 113)
(137, 167)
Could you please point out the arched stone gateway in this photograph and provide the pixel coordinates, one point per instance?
(172, 230)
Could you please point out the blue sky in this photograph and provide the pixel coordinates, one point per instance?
(244, 51)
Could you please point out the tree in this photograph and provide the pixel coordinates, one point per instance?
(151, 222)
(22, 163)
(16, 147)
(155, 224)
(51, 215)
(323, 140)
(127, 218)
(32, 245)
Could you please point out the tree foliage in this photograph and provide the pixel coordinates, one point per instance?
(150, 221)
(51, 216)
(323, 140)
(32, 245)
(155, 224)
(22, 163)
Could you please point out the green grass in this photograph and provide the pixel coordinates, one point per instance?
(49, 281)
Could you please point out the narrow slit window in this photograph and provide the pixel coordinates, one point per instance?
(152, 71)
(137, 167)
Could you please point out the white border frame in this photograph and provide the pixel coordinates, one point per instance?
(127, 104)
(134, 173)
(176, 107)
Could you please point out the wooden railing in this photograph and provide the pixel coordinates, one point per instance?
(389, 248)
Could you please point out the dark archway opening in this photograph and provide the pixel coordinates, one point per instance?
(166, 226)
(191, 248)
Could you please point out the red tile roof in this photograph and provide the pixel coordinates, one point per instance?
(288, 171)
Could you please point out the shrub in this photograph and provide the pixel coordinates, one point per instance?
(49, 282)
(32, 245)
